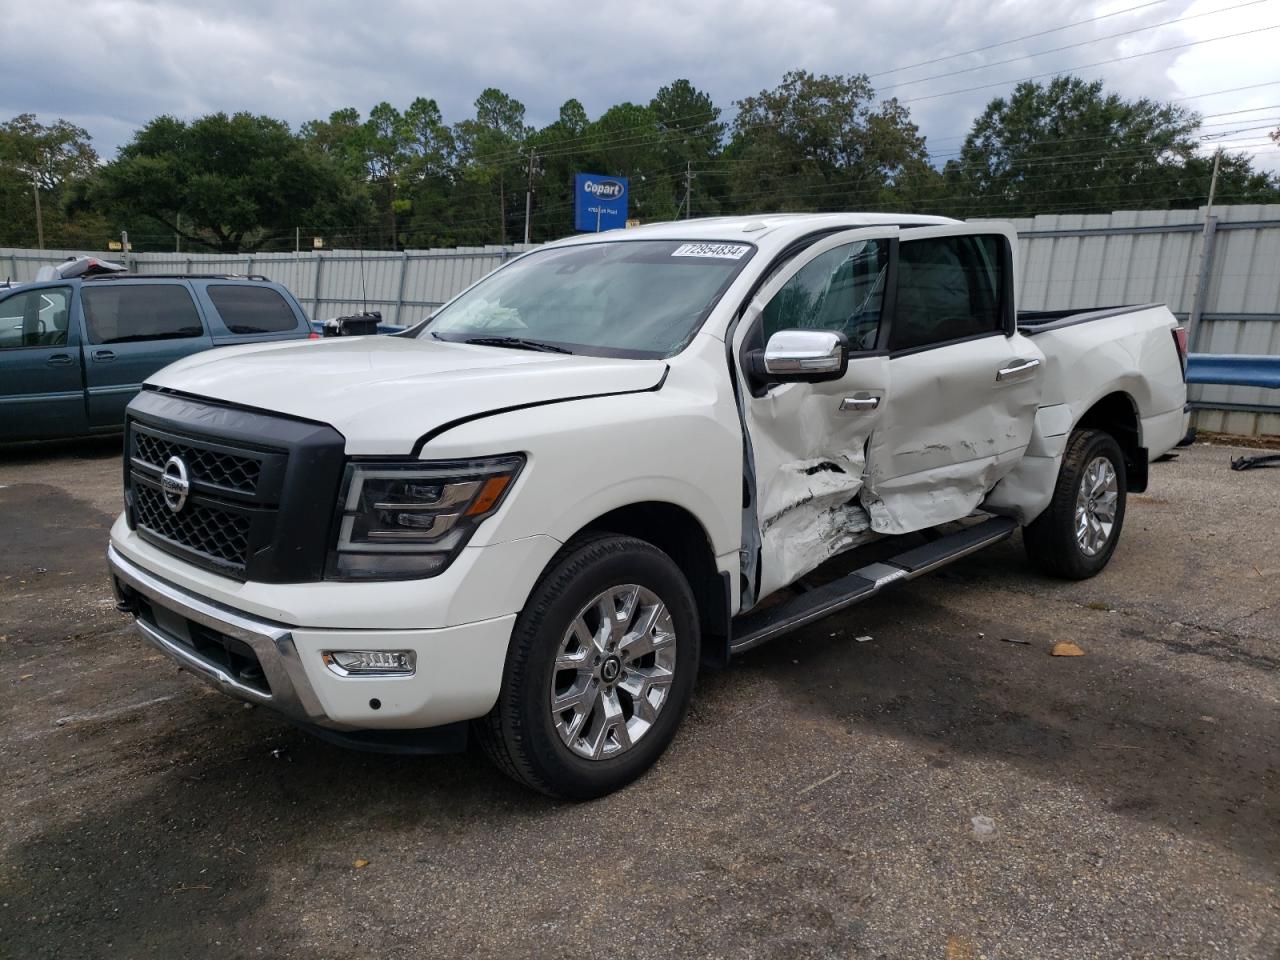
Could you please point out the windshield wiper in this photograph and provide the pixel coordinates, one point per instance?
(518, 343)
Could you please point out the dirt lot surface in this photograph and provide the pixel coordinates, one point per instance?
(818, 802)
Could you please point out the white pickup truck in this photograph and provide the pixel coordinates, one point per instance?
(532, 516)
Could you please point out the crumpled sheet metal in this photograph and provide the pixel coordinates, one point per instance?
(812, 514)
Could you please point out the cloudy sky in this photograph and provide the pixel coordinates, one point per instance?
(110, 65)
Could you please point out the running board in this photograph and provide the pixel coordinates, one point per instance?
(754, 629)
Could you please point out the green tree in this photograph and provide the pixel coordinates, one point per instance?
(819, 142)
(1066, 144)
(233, 183)
(46, 163)
(560, 148)
(341, 140)
(691, 137)
(492, 155)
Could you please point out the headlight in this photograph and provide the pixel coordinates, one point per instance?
(399, 521)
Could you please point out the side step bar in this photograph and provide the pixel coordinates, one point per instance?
(754, 629)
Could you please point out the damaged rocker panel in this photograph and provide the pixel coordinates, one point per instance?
(756, 628)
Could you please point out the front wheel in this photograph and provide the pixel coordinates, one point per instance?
(600, 671)
(1077, 533)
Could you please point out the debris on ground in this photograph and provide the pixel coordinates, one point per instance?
(1025, 643)
(984, 828)
(1066, 649)
(360, 864)
(1261, 460)
(865, 639)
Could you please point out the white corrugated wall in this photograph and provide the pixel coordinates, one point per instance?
(1066, 261)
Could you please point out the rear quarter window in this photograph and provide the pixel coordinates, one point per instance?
(249, 310)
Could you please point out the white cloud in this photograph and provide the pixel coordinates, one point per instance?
(110, 65)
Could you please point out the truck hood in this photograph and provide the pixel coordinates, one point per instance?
(384, 393)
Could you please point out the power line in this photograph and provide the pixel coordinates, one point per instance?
(1005, 43)
(1087, 66)
(1072, 46)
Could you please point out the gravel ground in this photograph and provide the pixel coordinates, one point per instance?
(818, 802)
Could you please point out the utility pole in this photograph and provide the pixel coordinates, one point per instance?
(688, 189)
(1206, 259)
(1213, 182)
(177, 233)
(35, 191)
(297, 240)
(528, 195)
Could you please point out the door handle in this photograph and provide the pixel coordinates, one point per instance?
(59, 360)
(860, 401)
(1016, 368)
(103, 356)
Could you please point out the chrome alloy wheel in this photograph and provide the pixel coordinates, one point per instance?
(613, 672)
(1096, 506)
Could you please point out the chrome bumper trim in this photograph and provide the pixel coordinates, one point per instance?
(272, 643)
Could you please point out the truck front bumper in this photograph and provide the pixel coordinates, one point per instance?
(280, 666)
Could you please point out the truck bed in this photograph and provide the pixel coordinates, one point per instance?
(1031, 322)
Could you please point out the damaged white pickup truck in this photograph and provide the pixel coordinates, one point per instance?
(532, 516)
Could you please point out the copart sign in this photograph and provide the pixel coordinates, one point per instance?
(599, 202)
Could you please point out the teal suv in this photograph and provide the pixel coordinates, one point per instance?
(74, 352)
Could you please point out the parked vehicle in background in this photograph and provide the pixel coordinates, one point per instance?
(535, 513)
(75, 350)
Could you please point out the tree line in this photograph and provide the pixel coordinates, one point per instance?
(401, 178)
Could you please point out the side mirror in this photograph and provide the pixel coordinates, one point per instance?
(802, 356)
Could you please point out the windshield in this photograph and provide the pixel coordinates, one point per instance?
(628, 298)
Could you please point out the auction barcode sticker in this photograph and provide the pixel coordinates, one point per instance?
(720, 251)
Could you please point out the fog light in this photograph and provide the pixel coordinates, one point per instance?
(371, 663)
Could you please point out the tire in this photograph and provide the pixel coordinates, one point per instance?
(536, 744)
(1053, 541)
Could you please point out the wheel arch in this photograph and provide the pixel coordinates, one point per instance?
(679, 534)
(1116, 413)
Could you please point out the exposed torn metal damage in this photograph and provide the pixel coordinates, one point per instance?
(812, 513)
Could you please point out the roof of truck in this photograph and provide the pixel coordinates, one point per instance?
(769, 227)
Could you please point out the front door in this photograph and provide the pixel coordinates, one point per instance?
(806, 441)
(41, 384)
(132, 329)
(965, 383)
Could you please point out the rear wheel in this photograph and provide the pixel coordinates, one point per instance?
(600, 671)
(1077, 533)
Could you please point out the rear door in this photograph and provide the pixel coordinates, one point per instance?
(41, 384)
(965, 383)
(806, 441)
(132, 329)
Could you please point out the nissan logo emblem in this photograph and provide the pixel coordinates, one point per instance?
(174, 483)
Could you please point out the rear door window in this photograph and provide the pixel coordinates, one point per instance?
(948, 289)
(129, 312)
(245, 309)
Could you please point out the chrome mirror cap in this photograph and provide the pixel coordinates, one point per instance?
(806, 354)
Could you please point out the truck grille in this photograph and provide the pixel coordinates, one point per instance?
(261, 488)
(213, 532)
(219, 469)
(231, 499)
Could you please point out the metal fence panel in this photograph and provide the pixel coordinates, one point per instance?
(1067, 261)
(1099, 260)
